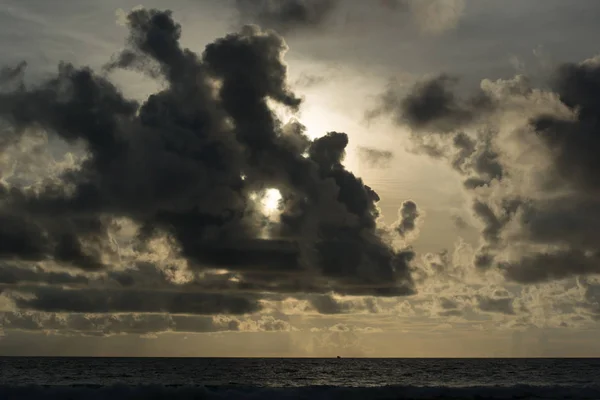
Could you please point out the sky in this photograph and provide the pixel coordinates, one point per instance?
(300, 178)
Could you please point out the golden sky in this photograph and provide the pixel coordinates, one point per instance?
(429, 165)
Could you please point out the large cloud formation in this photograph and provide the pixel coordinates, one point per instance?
(528, 158)
(156, 207)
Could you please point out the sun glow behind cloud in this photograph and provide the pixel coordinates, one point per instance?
(268, 202)
(271, 201)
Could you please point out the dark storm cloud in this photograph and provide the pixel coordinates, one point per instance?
(432, 106)
(286, 15)
(375, 157)
(185, 164)
(354, 253)
(243, 98)
(55, 299)
(408, 213)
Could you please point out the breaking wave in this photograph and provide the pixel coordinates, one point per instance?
(156, 392)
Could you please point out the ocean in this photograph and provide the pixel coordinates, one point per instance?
(271, 378)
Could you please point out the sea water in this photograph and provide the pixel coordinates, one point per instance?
(271, 378)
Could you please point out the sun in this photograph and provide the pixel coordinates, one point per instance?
(270, 201)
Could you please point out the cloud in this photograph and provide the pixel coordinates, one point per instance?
(409, 213)
(56, 299)
(375, 158)
(286, 15)
(85, 324)
(573, 142)
(14, 274)
(525, 155)
(266, 323)
(336, 340)
(553, 265)
(502, 305)
(590, 288)
(138, 324)
(432, 106)
(159, 210)
(327, 304)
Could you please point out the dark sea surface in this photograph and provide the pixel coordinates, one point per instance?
(222, 378)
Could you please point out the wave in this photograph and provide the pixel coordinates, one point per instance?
(158, 392)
